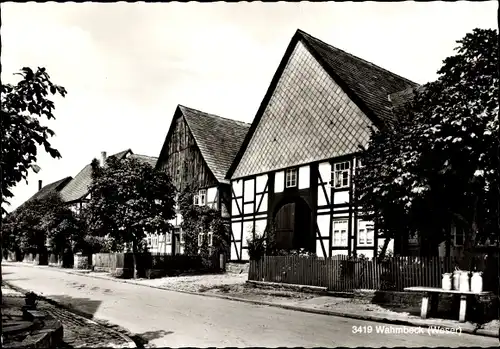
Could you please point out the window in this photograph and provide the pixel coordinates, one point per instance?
(366, 232)
(149, 241)
(291, 178)
(181, 234)
(155, 241)
(341, 175)
(340, 233)
(201, 236)
(168, 237)
(210, 237)
(203, 197)
(161, 238)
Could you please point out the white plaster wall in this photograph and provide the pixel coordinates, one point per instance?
(340, 253)
(319, 249)
(236, 228)
(237, 187)
(263, 204)
(260, 226)
(260, 182)
(324, 225)
(234, 208)
(341, 197)
(325, 170)
(248, 208)
(247, 232)
(367, 253)
(249, 189)
(279, 179)
(304, 177)
(211, 194)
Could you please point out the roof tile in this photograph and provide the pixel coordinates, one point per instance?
(78, 187)
(218, 138)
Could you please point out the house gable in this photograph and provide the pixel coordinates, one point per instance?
(181, 158)
(308, 118)
(366, 85)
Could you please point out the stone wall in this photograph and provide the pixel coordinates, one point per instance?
(82, 261)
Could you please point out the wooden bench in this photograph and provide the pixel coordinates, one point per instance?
(433, 294)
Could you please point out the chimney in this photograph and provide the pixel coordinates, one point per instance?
(103, 158)
(39, 184)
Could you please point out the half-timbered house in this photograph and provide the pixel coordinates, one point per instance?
(76, 192)
(295, 167)
(198, 150)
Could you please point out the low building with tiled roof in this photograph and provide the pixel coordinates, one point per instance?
(76, 192)
(199, 148)
(44, 191)
(295, 165)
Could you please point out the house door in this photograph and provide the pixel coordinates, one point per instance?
(293, 226)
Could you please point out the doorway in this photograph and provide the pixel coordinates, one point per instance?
(293, 226)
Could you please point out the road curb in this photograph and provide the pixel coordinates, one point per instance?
(76, 313)
(480, 332)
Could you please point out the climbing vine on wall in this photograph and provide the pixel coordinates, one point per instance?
(203, 220)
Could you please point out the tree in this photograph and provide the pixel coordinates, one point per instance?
(128, 199)
(438, 164)
(22, 106)
(63, 229)
(38, 221)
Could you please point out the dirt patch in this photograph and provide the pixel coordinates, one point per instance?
(251, 292)
(197, 283)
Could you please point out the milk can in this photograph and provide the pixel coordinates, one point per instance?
(477, 282)
(446, 282)
(464, 281)
(456, 280)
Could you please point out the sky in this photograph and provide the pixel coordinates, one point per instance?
(126, 66)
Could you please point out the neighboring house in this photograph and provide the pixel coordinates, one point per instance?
(198, 149)
(76, 192)
(297, 161)
(44, 191)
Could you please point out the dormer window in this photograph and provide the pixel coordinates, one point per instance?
(341, 175)
(291, 178)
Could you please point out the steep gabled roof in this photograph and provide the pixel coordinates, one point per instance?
(366, 84)
(370, 83)
(218, 138)
(78, 187)
(151, 160)
(54, 187)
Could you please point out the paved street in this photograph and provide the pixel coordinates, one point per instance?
(174, 319)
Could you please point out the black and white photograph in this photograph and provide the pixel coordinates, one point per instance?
(250, 174)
